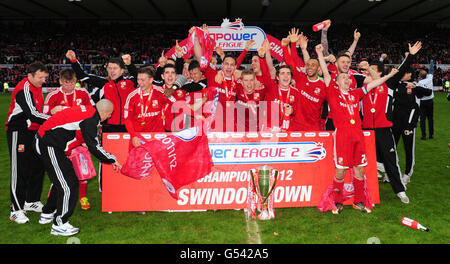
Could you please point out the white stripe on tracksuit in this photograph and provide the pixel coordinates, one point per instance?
(62, 181)
(14, 168)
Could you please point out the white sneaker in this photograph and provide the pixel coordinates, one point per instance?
(380, 176)
(406, 179)
(18, 217)
(386, 179)
(35, 207)
(65, 229)
(403, 197)
(46, 218)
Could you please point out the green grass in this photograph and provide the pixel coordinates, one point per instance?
(428, 192)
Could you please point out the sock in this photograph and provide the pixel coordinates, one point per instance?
(82, 188)
(359, 190)
(338, 185)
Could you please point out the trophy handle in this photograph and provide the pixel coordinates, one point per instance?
(253, 182)
(273, 187)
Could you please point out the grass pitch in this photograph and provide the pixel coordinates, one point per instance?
(428, 192)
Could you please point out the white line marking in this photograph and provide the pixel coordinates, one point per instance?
(252, 230)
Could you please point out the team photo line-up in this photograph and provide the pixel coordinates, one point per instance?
(304, 92)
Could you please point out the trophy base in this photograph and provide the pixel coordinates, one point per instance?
(264, 215)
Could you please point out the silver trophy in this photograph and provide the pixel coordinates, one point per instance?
(263, 184)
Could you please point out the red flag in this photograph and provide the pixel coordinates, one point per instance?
(327, 202)
(181, 158)
(139, 164)
(207, 43)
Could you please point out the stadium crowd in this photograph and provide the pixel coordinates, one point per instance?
(307, 91)
(22, 45)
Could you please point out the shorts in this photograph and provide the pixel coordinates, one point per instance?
(349, 148)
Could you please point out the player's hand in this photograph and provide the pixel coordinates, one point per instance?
(410, 85)
(261, 51)
(293, 35)
(302, 41)
(70, 54)
(219, 51)
(356, 35)
(162, 60)
(258, 85)
(219, 77)
(116, 166)
(415, 48)
(330, 58)
(328, 24)
(205, 29)
(363, 65)
(249, 44)
(393, 72)
(288, 109)
(178, 50)
(168, 92)
(126, 59)
(285, 42)
(56, 109)
(319, 50)
(136, 142)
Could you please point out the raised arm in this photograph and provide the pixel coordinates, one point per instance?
(263, 64)
(248, 46)
(294, 37)
(91, 79)
(303, 42)
(269, 62)
(356, 36)
(324, 38)
(132, 70)
(381, 80)
(323, 64)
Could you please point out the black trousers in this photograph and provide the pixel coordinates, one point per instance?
(405, 129)
(106, 128)
(27, 171)
(387, 154)
(64, 191)
(426, 112)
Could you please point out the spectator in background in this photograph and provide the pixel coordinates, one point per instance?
(426, 102)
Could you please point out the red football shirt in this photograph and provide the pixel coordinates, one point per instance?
(345, 106)
(144, 114)
(247, 114)
(311, 96)
(227, 93)
(79, 96)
